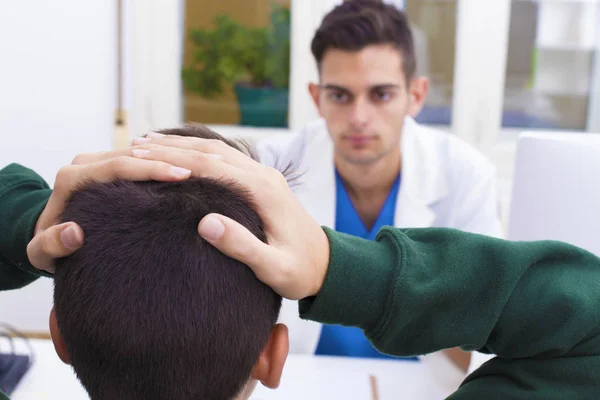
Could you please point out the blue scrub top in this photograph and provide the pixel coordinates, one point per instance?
(345, 341)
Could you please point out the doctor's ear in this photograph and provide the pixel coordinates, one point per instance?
(418, 89)
(315, 92)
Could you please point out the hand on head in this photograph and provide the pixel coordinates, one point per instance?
(295, 261)
(53, 241)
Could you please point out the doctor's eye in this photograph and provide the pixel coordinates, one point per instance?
(338, 97)
(382, 95)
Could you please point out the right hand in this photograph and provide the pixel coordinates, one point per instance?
(295, 260)
(52, 240)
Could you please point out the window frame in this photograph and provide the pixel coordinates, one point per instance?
(593, 122)
(479, 82)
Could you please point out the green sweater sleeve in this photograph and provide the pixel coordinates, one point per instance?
(536, 305)
(23, 196)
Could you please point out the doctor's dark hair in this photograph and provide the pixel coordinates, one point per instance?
(148, 309)
(356, 24)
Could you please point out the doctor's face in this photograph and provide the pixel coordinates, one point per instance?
(364, 98)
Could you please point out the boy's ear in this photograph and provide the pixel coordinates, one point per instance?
(269, 367)
(57, 340)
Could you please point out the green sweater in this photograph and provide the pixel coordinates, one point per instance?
(23, 196)
(415, 291)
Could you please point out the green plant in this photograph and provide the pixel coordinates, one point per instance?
(233, 54)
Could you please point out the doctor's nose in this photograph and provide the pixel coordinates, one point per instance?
(360, 115)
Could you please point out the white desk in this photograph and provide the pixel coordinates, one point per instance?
(304, 377)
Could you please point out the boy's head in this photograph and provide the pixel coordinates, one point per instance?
(367, 86)
(149, 310)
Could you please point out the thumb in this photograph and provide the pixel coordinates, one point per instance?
(237, 242)
(55, 242)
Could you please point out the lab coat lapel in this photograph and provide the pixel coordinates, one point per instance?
(317, 191)
(423, 183)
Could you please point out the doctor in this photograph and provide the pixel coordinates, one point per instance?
(368, 164)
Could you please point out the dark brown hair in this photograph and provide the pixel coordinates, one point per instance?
(149, 310)
(356, 24)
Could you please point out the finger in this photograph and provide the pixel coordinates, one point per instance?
(119, 167)
(89, 158)
(201, 164)
(210, 146)
(185, 143)
(260, 185)
(237, 242)
(156, 135)
(74, 177)
(140, 151)
(55, 242)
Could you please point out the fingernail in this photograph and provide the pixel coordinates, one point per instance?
(71, 238)
(211, 229)
(140, 140)
(180, 172)
(213, 156)
(155, 135)
(140, 152)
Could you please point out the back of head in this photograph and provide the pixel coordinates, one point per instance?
(149, 310)
(356, 24)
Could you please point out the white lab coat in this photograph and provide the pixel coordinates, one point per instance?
(445, 183)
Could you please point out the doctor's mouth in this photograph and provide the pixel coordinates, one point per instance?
(360, 140)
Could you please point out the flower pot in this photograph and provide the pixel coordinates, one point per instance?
(266, 107)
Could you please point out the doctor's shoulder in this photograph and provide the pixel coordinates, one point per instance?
(470, 179)
(293, 151)
(294, 145)
(459, 158)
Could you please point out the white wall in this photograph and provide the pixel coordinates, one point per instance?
(481, 51)
(306, 19)
(57, 99)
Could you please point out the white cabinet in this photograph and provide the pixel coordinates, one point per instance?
(552, 64)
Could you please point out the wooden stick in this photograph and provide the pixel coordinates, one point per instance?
(121, 133)
(119, 58)
(374, 390)
(33, 335)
